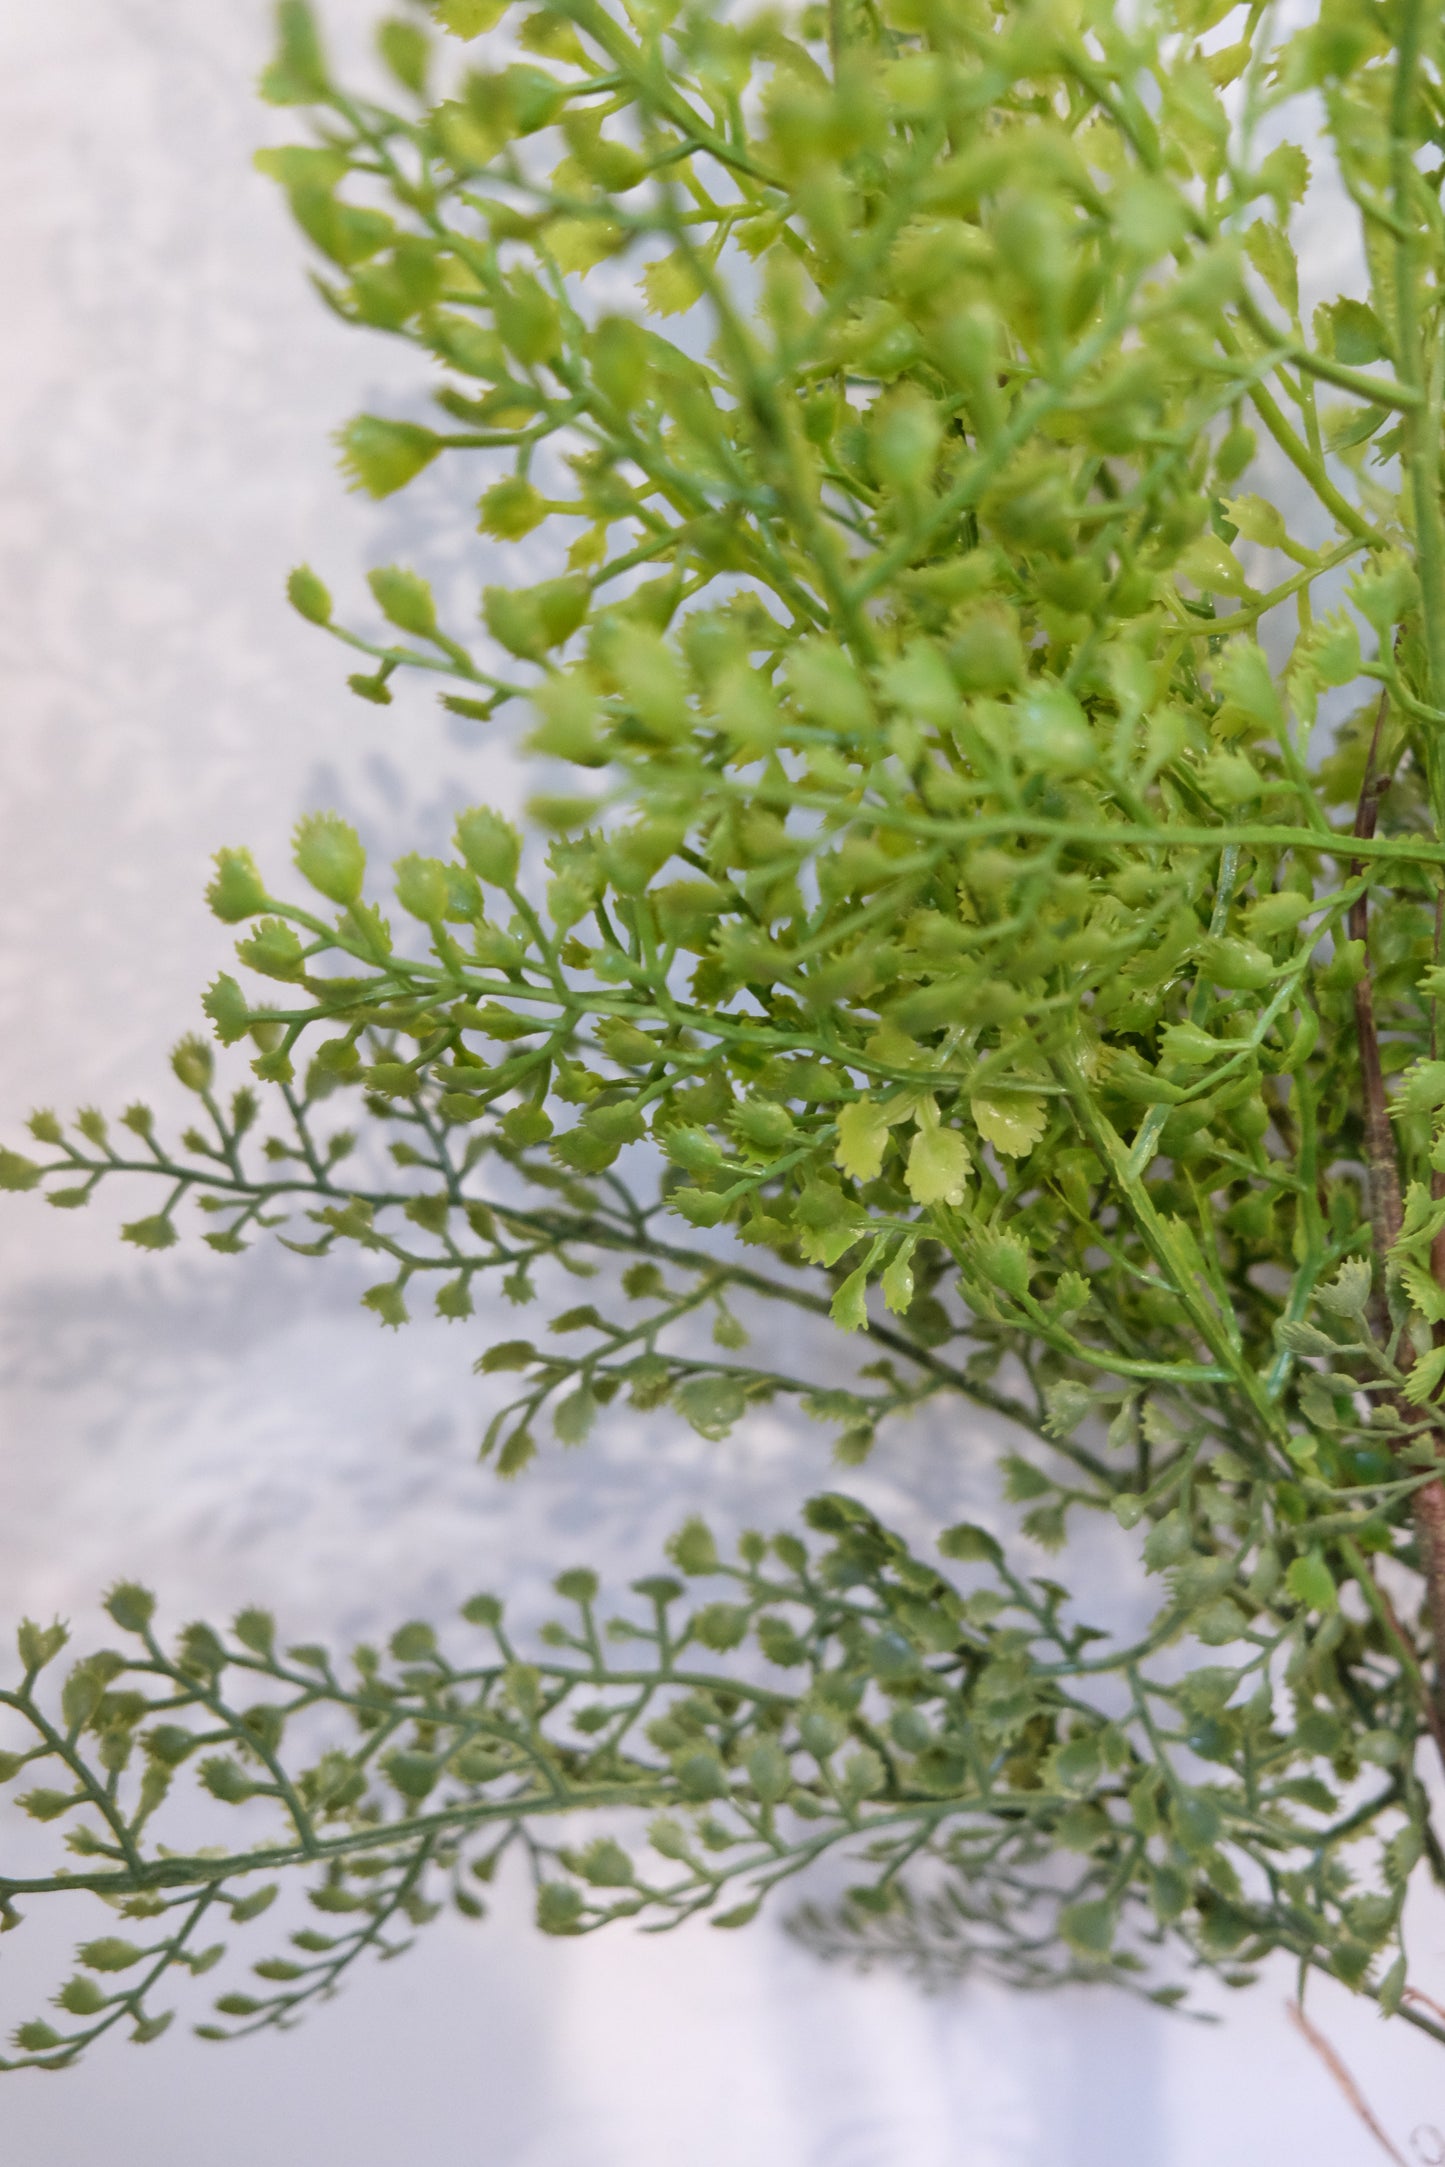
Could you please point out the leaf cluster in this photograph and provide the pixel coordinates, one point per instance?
(969, 922)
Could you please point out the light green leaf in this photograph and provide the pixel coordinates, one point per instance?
(1242, 674)
(1299, 1338)
(468, 18)
(510, 509)
(17, 1172)
(849, 1306)
(1005, 1262)
(968, 1544)
(308, 596)
(1332, 650)
(573, 1417)
(1089, 1926)
(1185, 1045)
(939, 1164)
(1067, 1402)
(1212, 566)
(405, 599)
(1311, 1582)
(1424, 1218)
(155, 1232)
(1422, 1088)
(1269, 251)
(1392, 1986)
(388, 1304)
(1424, 1379)
(1356, 333)
(1257, 520)
(1012, 1122)
(109, 1954)
(671, 285)
(1424, 1291)
(739, 1915)
(381, 456)
(897, 1281)
(862, 1139)
(580, 244)
(329, 855)
(1348, 1293)
(712, 1404)
(1285, 173)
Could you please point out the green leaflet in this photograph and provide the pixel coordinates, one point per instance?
(939, 1161)
(1012, 1124)
(863, 1135)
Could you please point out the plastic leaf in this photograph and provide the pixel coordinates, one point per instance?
(238, 891)
(897, 1281)
(939, 1164)
(1213, 566)
(328, 853)
(1311, 1582)
(671, 286)
(862, 1139)
(308, 596)
(1424, 1379)
(1257, 520)
(1270, 253)
(1013, 1124)
(297, 74)
(405, 599)
(468, 18)
(381, 456)
(511, 509)
(1348, 1293)
(849, 1306)
(16, 1171)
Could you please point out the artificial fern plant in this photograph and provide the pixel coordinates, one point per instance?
(999, 641)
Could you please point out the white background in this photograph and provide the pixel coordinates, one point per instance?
(239, 1430)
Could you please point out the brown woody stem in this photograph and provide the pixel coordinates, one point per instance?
(1336, 2067)
(1382, 1168)
(1437, 1178)
(1382, 1171)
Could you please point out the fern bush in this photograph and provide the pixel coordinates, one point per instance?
(997, 638)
